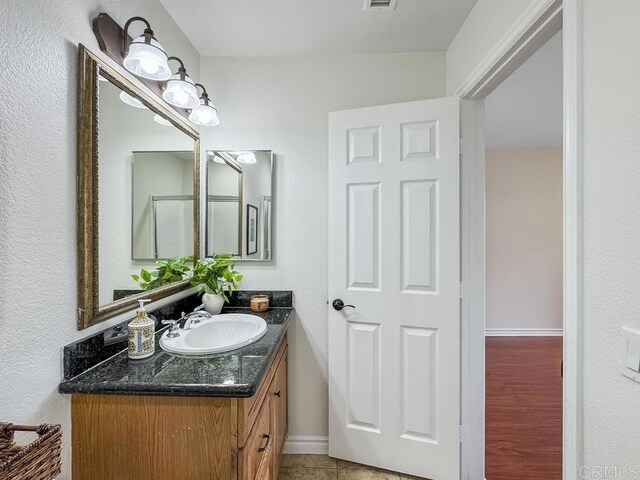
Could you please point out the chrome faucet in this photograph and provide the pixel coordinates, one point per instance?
(185, 321)
(193, 317)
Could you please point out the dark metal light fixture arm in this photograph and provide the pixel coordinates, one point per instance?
(181, 70)
(147, 31)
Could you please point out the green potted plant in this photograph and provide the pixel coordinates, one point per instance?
(167, 271)
(216, 277)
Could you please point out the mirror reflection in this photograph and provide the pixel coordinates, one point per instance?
(239, 204)
(162, 205)
(145, 185)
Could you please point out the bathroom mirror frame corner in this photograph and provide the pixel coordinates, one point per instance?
(90, 68)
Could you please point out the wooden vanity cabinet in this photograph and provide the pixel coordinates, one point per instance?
(279, 413)
(259, 458)
(157, 438)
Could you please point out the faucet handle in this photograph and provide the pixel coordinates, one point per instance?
(173, 330)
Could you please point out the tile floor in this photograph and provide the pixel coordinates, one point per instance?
(322, 467)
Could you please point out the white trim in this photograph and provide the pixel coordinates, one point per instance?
(472, 256)
(573, 238)
(523, 332)
(533, 28)
(306, 445)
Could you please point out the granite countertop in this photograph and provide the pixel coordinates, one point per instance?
(231, 374)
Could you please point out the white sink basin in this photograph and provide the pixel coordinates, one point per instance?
(220, 333)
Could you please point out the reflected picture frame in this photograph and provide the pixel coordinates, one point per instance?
(252, 229)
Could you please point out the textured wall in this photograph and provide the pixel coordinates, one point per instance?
(487, 23)
(282, 104)
(524, 238)
(611, 227)
(38, 194)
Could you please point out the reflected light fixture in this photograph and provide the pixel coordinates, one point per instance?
(145, 57)
(131, 101)
(216, 158)
(246, 157)
(206, 113)
(161, 120)
(180, 90)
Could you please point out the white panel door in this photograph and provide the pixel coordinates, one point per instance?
(394, 358)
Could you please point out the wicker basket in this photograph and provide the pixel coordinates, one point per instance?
(38, 460)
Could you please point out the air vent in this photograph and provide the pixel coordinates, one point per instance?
(379, 5)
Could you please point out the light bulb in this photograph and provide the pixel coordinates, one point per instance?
(246, 157)
(204, 115)
(217, 158)
(162, 121)
(147, 59)
(180, 97)
(131, 101)
(149, 65)
(180, 91)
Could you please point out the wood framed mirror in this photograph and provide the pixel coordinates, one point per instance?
(118, 117)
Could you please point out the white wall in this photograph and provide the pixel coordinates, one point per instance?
(38, 55)
(282, 104)
(223, 217)
(524, 238)
(611, 227)
(526, 109)
(487, 23)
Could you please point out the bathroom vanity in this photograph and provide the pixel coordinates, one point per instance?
(221, 416)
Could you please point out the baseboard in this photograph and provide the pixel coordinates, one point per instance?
(523, 332)
(309, 445)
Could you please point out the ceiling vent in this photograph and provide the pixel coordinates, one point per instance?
(379, 5)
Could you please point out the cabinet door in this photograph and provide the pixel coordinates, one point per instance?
(264, 473)
(279, 411)
(255, 455)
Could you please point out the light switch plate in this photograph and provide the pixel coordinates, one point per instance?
(630, 364)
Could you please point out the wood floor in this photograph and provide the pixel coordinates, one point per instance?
(523, 408)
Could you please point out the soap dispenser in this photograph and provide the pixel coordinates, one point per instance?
(141, 334)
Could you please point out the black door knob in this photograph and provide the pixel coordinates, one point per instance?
(339, 305)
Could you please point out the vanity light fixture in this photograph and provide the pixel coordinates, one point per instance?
(246, 158)
(145, 57)
(180, 90)
(162, 121)
(206, 113)
(131, 101)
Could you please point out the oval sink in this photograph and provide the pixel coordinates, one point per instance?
(220, 333)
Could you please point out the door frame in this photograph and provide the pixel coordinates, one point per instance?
(535, 26)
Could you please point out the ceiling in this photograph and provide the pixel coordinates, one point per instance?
(259, 28)
(526, 109)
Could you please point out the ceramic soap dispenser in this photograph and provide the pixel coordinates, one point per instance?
(141, 334)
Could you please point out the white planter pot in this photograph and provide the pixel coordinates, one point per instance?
(212, 303)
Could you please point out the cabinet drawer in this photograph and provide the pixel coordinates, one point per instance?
(255, 454)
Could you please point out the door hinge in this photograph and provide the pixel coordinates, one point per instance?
(461, 433)
(460, 290)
